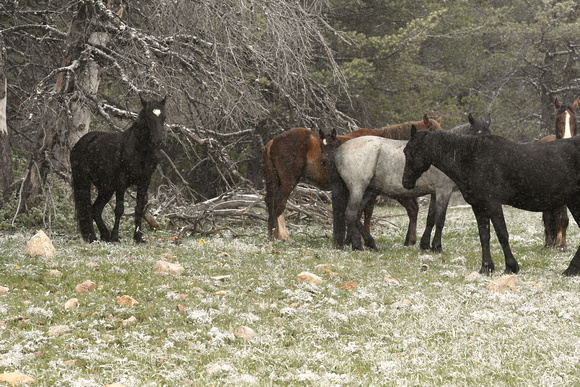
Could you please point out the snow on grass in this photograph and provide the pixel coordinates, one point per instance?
(434, 328)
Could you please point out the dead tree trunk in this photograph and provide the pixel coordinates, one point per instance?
(66, 116)
(6, 176)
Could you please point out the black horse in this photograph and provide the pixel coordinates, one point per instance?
(113, 162)
(491, 171)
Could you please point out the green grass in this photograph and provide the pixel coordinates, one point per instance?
(454, 332)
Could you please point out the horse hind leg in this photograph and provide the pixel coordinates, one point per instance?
(562, 223)
(412, 208)
(102, 199)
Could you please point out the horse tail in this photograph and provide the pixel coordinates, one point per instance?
(81, 185)
(271, 182)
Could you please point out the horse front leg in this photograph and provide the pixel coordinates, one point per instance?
(340, 196)
(426, 238)
(352, 215)
(412, 208)
(119, 210)
(441, 204)
(487, 266)
(140, 211)
(498, 220)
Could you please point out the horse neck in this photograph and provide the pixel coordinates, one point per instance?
(449, 152)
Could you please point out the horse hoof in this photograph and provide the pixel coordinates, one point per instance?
(437, 249)
(486, 270)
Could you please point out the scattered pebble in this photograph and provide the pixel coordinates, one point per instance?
(87, 286)
(309, 278)
(244, 333)
(503, 284)
(167, 267)
(39, 245)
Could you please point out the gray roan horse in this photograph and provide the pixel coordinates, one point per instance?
(491, 171)
(369, 165)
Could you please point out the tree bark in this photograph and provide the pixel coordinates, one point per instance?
(6, 176)
(67, 116)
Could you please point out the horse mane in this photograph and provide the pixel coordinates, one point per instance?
(463, 147)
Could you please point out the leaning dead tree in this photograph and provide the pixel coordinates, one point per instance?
(235, 73)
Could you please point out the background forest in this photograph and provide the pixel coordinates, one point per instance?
(239, 72)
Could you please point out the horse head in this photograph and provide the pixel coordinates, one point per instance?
(328, 144)
(415, 163)
(153, 116)
(479, 126)
(431, 125)
(565, 119)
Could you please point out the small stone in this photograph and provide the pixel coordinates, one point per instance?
(503, 284)
(244, 333)
(401, 304)
(390, 280)
(180, 307)
(71, 362)
(57, 330)
(222, 293)
(167, 267)
(130, 321)
(71, 304)
(87, 286)
(54, 273)
(348, 286)
(39, 246)
(15, 379)
(223, 255)
(92, 265)
(214, 369)
(115, 385)
(473, 276)
(127, 301)
(309, 278)
(4, 290)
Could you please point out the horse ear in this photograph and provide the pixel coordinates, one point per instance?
(426, 120)
(333, 134)
(471, 119)
(143, 102)
(575, 105)
(413, 131)
(164, 100)
(439, 120)
(557, 103)
(321, 134)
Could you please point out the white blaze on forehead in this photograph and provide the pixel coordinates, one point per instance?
(324, 142)
(157, 112)
(567, 133)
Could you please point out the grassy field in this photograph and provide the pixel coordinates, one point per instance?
(433, 327)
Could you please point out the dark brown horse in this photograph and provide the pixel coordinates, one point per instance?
(556, 221)
(295, 155)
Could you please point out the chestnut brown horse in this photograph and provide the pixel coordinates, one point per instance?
(295, 155)
(556, 221)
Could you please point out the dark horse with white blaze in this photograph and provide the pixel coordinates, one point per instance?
(556, 221)
(367, 166)
(491, 171)
(113, 162)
